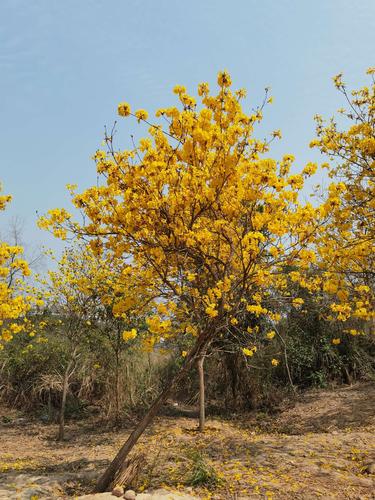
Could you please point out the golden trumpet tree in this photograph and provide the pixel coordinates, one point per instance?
(14, 301)
(209, 221)
(89, 292)
(346, 247)
(71, 302)
(84, 283)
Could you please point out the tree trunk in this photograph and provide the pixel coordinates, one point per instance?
(117, 349)
(63, 403)
(117, 389)
(108, 475)
(129, 384)
(49, 406)
(126, 476)
(202, 415)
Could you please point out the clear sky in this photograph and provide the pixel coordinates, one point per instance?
(65, 65)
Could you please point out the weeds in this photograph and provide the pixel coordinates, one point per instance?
(202, 473)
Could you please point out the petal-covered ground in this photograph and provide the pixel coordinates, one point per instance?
(319, 447)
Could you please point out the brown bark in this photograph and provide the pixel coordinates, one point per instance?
(116, 464)
(117, 389)
(127, 474)
(129, 385)
(49, 406)
(202, 413)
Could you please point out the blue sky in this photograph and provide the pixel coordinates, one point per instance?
(65, 65)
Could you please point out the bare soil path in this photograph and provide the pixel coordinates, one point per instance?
(317, 447)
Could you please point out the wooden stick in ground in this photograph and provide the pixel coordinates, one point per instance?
(202, 412)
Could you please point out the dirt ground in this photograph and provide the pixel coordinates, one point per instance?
(317, 447)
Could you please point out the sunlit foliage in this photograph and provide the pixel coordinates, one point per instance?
(208, 220)
(14, 304)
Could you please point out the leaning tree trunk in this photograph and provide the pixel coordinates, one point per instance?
(202, 414)
(108, 475)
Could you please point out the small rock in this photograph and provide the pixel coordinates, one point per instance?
(370, 468)
(130, 495)
(20, 420)
(118, 491)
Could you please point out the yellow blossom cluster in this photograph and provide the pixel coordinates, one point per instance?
(129, 334)
(346, 247)
(208, 220)
(13, 304)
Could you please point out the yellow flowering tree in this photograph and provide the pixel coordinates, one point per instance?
(91, 291)
(209, 222)
(119, 304)
(346, 246)
(14, 302)
(70, 307)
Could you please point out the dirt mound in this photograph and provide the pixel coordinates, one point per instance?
(327, 410)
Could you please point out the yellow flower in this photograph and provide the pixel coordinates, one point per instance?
(211, 311)
(336, 341)
(129, 334)
(123, 109)
(141, 114)
(256, 309)
(354, 332)
(310, 169)
(270, 335)
(203, 88)
(296, 181)
(247, 352)
(297, 301)
(179, 89)
(184, 354)
(338, 80)
(275, 362)
(224, 79)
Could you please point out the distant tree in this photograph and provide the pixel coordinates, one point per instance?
(346, 248)
(15, 299)
(92, 292)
